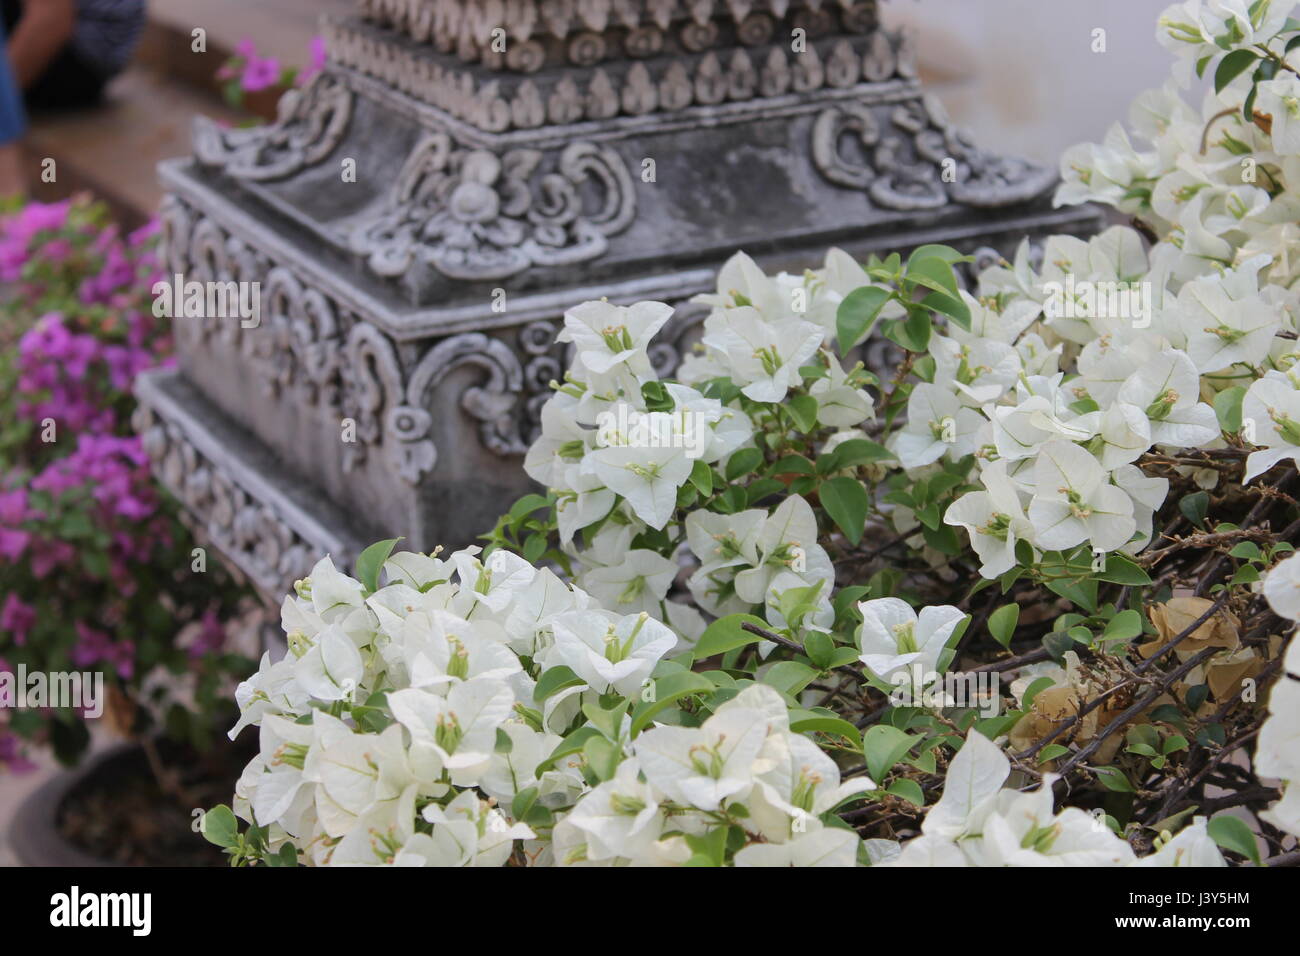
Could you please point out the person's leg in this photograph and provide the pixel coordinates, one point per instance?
(67, 84)
(13, 123)
(12, 181)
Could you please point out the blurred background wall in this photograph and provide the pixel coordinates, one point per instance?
(1021, 74)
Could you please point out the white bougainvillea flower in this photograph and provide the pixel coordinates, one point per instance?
(991, 325)
(610, 651)
(981, 370)
(607, 335)
(893, 636)
(583, 500)
(802, 784)
(355, 774)
(620, 817)
(456, 733)
(707, 766)
(723, 544)
(1167, 389)
(1122, 434)
(1222, 330)
(819, 845)
(970, 794)
(333, 594)
(1074, 502)
(1193, 846)
(1278, 752)
(937, 425)
(637, 583)
(1023, 831)
(764, 356)
(742, 283)
(563, 441)
(1042, 413)
(647, 478)
(995, 519)
(332, 668)
(1280, 99)
(786, 542)
(841, 404)
(494, 583)
(442, 648)
(1282, 588)
(1270, 415)
(1147, 494)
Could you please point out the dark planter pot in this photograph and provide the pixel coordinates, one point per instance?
(34, 834)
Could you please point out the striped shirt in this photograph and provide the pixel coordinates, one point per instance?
(106, 33)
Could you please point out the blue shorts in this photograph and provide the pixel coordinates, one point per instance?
(13, 121)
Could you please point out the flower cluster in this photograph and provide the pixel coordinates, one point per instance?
(743, 624)
(94, 568)
(247, 71)
(467, 713)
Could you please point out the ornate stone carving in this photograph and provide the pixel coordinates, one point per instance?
(908, 157)
(310, 124)
(252, 533)
(698, 73)
(471, 214)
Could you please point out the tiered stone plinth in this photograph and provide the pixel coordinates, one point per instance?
(513, 158)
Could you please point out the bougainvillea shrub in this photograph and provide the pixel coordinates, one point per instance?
(96, 574)
(1026, 597)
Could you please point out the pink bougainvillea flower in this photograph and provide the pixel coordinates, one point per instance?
(17, 618)
(261, 74)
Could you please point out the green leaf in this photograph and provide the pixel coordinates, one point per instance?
(219, 826)
(743, 462)
(667, 691)
(1112, 778)
(554, 680)
(1002, 623)
(1120, 570)
(912, 333)
(847, 502)
(955, 309)
(1227, 406)
(371, 560)
(570, 745)
(725, 634)
(789, 677)
(884, 747)
(933, 273)
(806, 721)
(1052, 752)
(1195, 507)
(909, 790)
(702, 477)
(1233, 834)
(1124, 626)
(854, 452)
(803, 410)
(1232, 66)
(857, 313)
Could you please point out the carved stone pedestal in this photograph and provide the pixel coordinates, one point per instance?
(425, 210)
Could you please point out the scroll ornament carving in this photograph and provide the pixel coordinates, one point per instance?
(311, 123)
(909, 157)
(472, 214)
(260, 542)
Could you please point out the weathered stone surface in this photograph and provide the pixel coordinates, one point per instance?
(408, 319)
